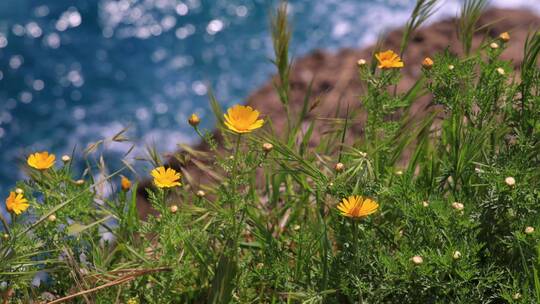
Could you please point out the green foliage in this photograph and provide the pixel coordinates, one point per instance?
(458, 194)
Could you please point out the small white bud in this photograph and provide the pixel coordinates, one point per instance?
(500, 71)
(339, 167)
(399, 173)
(457, 206)
(173, 208)
(456, 255)
(451, 67)
(425, 204)
(529, 230)
(52, 218)
(201, 193)
(267, 147)
(494, 45)
(516, 296)
(417, 260)
(66, 158)
(361, 62)
(510, 181)
(19, 191)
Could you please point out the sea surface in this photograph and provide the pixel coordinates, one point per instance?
(74, 72)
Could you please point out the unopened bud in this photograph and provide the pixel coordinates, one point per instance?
(125, 183)
(361, 62)
(529, 230)
(451, 67)
(267, 147)
(19, 191)
(425, 204)
(505, 37)
(494, 46)
(516, 296)
(173, 208)
(79, 182)
(417, 260)
(201, 193)
(500, 71)
(456, 255)
(510, 181)
(457, 206)
(399, 173)
(339, 167)
(427, 63)
(66, 158)
(52, 218)
(194, 120)
(5, 236)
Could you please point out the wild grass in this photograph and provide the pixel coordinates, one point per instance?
(455, 224)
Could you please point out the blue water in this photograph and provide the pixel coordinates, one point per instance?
(74, 72)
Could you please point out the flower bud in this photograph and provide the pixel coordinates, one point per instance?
(194, 120)
(529, 230)
(494, 45)
(52, 218)
(425, 204)
(457, 206)
(339, 167)
(500, 71)
(505, 37)
(399, 173)
(5, 236)
(451, 67)
(361, 62)
(516, 296)
(510, 181)
(19, 191)
(66, 158)
(296, 227)
(201, 193)
(267, 147)
(173, 208)
(125, 183)
(417, 260)
(79, 182)
(362, 154)
(456, 255)
(427, 63)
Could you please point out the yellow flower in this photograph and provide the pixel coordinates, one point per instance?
(389, 60)
(16, 203)
(41, 160)
(242, 119)
(166, 178)
(125, 183)
(357, 206)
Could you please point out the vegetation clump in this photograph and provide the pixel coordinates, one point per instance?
(285, 221)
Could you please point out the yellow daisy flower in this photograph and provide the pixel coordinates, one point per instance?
(389, 60)
(125, 183)
(356, 206)
(242, 119)
(16, 203)
(166, 178)
(41, 160)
